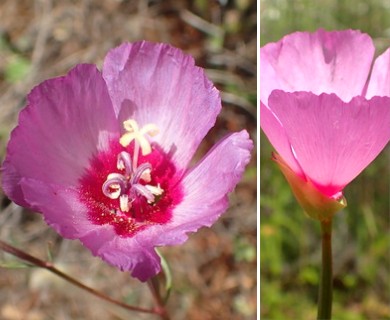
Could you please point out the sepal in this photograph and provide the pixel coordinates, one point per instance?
(315, 204)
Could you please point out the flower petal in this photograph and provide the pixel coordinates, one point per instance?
(60, 207)
(379, 84)
(134, 254)
(64, 212)
(277, 136)
(319, 62)
(156, 83)
(66, 121)
(333, 141)
(206, 187)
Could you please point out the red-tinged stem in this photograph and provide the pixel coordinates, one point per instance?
(50, 267)
(326, 282)
(154, 286)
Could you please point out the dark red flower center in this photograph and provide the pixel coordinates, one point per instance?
(131, 190)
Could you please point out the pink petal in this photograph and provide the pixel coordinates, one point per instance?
(60, 206)
(333, 141)
(156, 83)
(206, 187)
(10, 180)
(277, 136)
(63, 211)
(67, 119)
(128, 254)
(319, 62)
(379, 84)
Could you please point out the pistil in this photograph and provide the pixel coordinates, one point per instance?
(132, 180)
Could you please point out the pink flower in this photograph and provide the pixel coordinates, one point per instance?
(104, 156)
(326, 116)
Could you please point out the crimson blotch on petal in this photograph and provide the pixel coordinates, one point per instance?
(104, 156)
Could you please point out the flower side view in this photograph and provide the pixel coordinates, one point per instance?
(325, 111)
(104, 156)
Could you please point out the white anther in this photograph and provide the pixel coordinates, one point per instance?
(157, 191)
(112, 186)
(124, 203)
(146, 175)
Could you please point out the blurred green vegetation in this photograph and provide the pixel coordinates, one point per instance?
(280, 17)
(290, 242)
(16, 67)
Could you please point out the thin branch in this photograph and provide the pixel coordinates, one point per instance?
(201, 24)
(231, 98)
(50, 267)
(154, 286)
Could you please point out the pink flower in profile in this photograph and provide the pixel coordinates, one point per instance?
(104, 155)
(323, 111)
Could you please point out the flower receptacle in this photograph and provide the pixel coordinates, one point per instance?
(315, 204)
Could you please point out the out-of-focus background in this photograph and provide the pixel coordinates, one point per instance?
(215, 271)
(290, 242)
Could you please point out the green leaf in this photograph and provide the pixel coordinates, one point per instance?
(168, 276)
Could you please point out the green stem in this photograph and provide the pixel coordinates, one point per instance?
(154, 286)
(326, 282)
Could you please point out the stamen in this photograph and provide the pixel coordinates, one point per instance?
(142, 190)
(114, 185)
(129, 184)
(157, 191)
(124, 203)
(124, 163)
(142, 170)
(145, 176)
